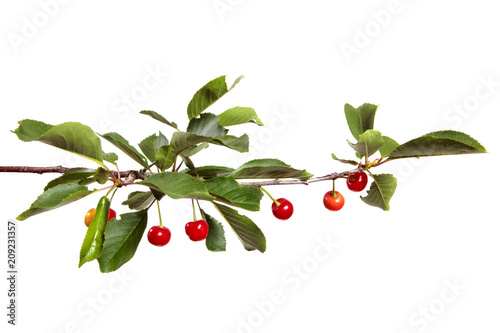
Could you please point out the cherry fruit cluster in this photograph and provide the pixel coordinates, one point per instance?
(281, 208)
(356, 182)
(160, 235)
(333, 200)
(91, 214)
(195, 230)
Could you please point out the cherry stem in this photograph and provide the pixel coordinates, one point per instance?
(113, 195)
(110, 190)
(199, 207)
(180, 164)
(159, 213)
(334, 194)
(270, 196)
(194, 211)
(118, 179)
(174, 164)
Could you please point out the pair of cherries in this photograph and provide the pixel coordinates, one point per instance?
(196, 231)
(356, 182)
(91, 213)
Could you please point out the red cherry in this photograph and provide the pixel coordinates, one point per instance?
(333, 202)
(197, 230)
(357, 181)
(111, 214)
(284, 210)
(159, 236)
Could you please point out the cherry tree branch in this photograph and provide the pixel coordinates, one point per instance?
(137, 174)
(39, 170)
(331, 176)
(143, 174)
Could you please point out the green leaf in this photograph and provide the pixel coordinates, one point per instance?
(195, 149)
(388, 147)
(101, 176)
(182, 141)
(208, 95)
(437, 144)
(161, 140)
(247, 231)
(240, 144)
(55, 197)
(31, 130)
(207, 125)
(178, 185)
(216, 239)
(157, 194)
(94, 238)
(227, 190)
(122, 239)
(110, 157)
(71, 136)
(71, 176)
(369, 143)
(360, 119)
(210, 171)
(239, 115)
(76, 138)
(238, 79)
(152, 144)
(164, 157)
(87, 181)
(268, 168)
(159, 117)
(381, 191)
(351, 162)
(188, 163)
(139, 200)
(118, 141)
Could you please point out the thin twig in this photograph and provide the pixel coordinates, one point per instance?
(331, 176)
(133, 175)
(39, 170)
(139, 174)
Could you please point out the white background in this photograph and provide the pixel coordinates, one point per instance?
(78, 61)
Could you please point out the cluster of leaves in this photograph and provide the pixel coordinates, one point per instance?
(370, 142)
(218, 185)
